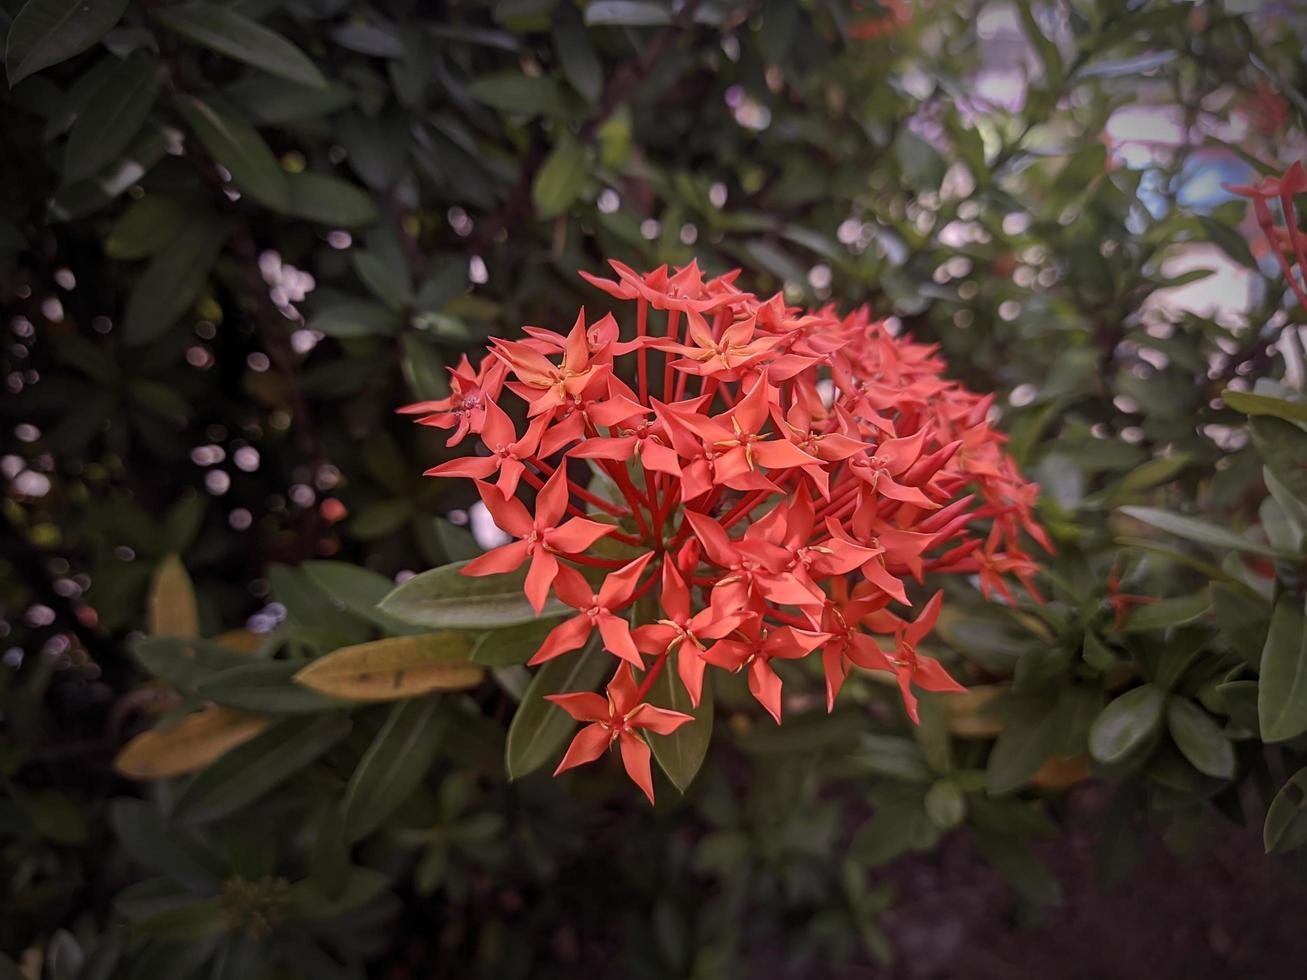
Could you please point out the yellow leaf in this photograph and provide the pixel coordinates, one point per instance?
(1059, 772)
(970, 713)
(398, 667)
(171, 605)
(191, 744)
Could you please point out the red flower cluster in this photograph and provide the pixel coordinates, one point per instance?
(1288, 243)
(776, 477)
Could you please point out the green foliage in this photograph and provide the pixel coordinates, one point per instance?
(186, 397)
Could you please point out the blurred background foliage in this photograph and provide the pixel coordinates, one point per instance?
(235, 237)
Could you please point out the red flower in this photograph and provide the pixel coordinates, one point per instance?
(542, 537)
(596, 612)
(777, 479)
(616, 719)
(909, 666)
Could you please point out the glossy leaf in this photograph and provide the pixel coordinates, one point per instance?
(512, 644)
(541, 729)
(265, 686)
(253, 769)
(230, 32)
(393, 766)
(46, 32)
(1199, 738)
(681, 754)
(1202, 532)
(560, 179)
(1282, 688)
(234, 143)
(111, 118)
(1251, 403)
(173, 280)
(447, 599)
(1286, 820)
(1126, 724)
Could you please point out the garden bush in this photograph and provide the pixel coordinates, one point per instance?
(1006, 290)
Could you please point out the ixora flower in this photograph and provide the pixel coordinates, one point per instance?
(746, 482)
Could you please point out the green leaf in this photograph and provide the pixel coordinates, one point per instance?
(1286, 820)
(945, 804)
(234, 143)
(46, 32)
(1126, 724)
(1284, 449)
(387, 280)
(627, 13)
(173, 280)
(187, 923)
(269, 101)
(447, 599)
(111, 118)
(423, 368)
(512, 644)
(393, 766)
(1030, 737)
(265, 686)
(253, 769)
(146, 837)
(1013, 860)
(329, 201)
(362, 885)
(358, 590)
(560, 179)
(1199, 738)
(185, 663)
(540, 728)
(231, 33)
(1167, 612)
(1282, 687)
(1232, 244)
(340, 315)
(681, 753)
(576, 55)
(145, 227)
(520, 94)
(1192, 529)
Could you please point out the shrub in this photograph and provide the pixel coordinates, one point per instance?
(235, 238)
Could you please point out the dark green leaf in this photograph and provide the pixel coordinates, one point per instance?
(1282, 688)
(265, 686)
(145, 227)
(1012, 859)
(1126, 724)
(329, 201)
(1286, 820)
(173, 280)
(1283, 446)
(447, 599)
(512, 644)
(627, 13)
(540, 728)
(111, 118)
(1199, 738)
(234, 143)
(1167, 612)
(46, 32)
(519, 94)
(560, 179)
(253, 769)
(393, 766)
(358, 590)
(231, 33)
(576, 54)
(1030, 737)
(1212, 535)
(681, 753)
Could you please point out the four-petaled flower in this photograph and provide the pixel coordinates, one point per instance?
(541, 537)
(617, 719)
